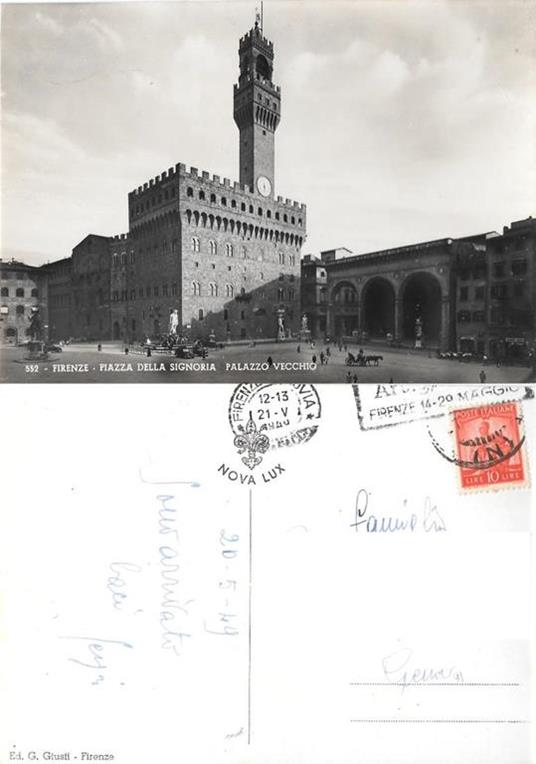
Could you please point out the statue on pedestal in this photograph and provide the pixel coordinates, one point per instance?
(35, 347)
(418, 332)
(305, 332)
(34, 330)
(281, 334)
(173, 321)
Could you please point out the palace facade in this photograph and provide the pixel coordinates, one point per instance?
(203, 256)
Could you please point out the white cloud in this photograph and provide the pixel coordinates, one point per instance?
(104, 34)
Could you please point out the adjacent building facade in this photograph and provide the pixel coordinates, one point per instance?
(474, 294)
(19, 296)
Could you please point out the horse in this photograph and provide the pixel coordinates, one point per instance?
(373, 360)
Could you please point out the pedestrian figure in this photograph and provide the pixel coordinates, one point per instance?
(314, 359)
(99, 347)
(328, 351)
(270, 361)
(298, 349)
(354, 379)
(482, 376)
(348, 377)
(322, 358)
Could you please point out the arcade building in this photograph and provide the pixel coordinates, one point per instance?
(204, 256)
(475, 294)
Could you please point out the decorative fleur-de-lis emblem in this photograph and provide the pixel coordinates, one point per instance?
(252, 440)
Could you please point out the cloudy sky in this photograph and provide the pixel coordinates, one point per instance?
(401, 121)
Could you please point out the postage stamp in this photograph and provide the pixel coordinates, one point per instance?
(488, 445)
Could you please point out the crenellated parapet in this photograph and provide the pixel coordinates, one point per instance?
(255, 35)
(180, 184)
(181, 171)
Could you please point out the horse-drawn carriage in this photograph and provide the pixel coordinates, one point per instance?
(363, 360)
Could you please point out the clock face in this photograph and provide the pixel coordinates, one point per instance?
(264, 185)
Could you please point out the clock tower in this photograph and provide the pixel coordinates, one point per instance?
(257, 109)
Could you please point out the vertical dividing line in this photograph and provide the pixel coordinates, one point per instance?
(249, 608)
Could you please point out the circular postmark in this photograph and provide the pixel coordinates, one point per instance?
(270, 416)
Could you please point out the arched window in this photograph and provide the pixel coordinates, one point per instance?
(213, 247)
(123, 258)
(245, 253)
(345, 293)
(115, 260)
(281, 258)
(195, 244)
(263, 67)
(201, 314)
(35, 293)
(196, 288)
(19, 292)
(224, 201)
(20, 310)
(229, 250)
(213, 198)
(202, 196)
(189, 191)
(5, 292)
(229, 290)
(213, 289)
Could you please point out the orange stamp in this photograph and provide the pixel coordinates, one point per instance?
(489, 446)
